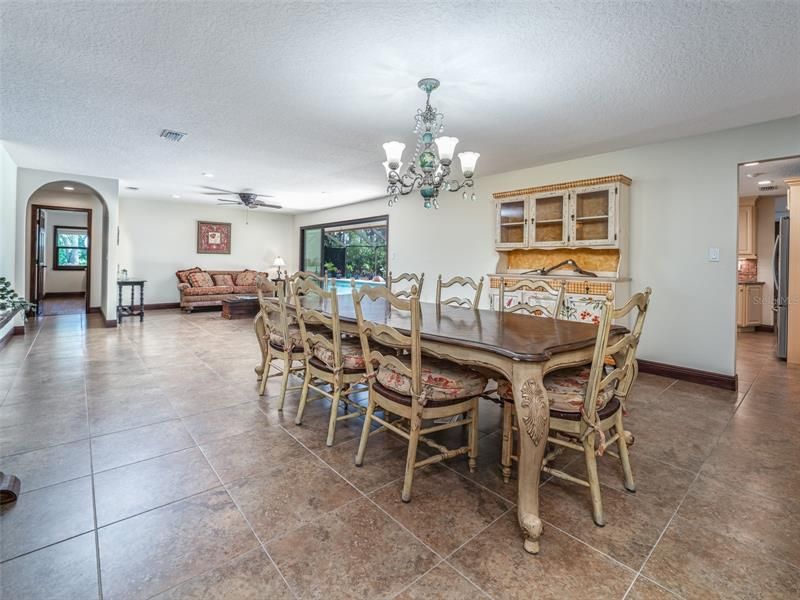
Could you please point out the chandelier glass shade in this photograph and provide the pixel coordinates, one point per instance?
(429, 170)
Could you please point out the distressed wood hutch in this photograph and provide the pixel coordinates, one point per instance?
(584, 220)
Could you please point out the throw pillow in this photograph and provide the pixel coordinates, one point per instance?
(246, 277)
(225, 279)
(183, 276)
(200, 279)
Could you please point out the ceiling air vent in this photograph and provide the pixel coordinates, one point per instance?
(171, 135)
(767, 188)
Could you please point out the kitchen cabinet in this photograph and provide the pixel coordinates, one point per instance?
(585, 213)
(749, 300)
(747, 228)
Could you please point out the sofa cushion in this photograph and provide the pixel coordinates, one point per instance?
(212, 290)
(223, 279)
(352, 358)
(201, 279)
(244, 289)
(183, 276)
(246, 277)
(566, 389)
(441, 380)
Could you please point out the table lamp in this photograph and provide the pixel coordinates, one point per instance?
(278, 263)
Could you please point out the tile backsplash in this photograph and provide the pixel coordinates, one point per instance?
(748, 269)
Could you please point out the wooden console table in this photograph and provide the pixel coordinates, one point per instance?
(130, 310)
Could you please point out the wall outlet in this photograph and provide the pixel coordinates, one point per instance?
(713, 255)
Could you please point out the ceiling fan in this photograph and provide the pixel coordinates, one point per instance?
(244, 198)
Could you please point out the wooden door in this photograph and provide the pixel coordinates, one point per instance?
(40, 259)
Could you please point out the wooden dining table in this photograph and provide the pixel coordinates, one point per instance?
(521, 348)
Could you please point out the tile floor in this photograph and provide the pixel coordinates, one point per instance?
(152, 469)
(57, 304)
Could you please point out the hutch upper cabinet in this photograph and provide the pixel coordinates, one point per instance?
(590, 212)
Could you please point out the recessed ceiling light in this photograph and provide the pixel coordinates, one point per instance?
(765, 182)
(752, 164)
(176, 196)
(69, 188)
(207, 174)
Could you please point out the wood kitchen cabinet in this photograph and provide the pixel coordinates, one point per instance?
(749, 300)
(585, 213)
(747, 228)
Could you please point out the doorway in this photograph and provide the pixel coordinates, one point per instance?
(61, 259)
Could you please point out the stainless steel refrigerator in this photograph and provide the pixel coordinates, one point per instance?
(780, 259)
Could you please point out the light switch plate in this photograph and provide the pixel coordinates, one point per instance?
(713, 255)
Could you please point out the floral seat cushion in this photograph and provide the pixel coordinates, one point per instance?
(352, 357)
(183, 276)
(441, 380)
(214, 290)
(200, 279)
(223, 279)
(276, 338)
(566, 389)
(246, 277)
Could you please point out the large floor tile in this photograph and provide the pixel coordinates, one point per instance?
(445, 509)
(49, 466)
(141, 486)
(565, 568)
(225, 422)
(132, 445)
(46, 516)
(354, 552)
(251, 576)
(697, 562)
(288, 496)
(16, 439)
(107, 415)
(443, 583)
(64, 571)
(252, 452)
(152, 552)
(644, 589)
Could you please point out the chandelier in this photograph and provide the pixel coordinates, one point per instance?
(429, 169)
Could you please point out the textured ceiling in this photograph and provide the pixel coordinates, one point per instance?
(295, 98)
(771, 170)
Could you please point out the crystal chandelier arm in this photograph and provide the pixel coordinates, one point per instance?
(454, 185)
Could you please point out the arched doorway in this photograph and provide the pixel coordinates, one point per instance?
(67, 248)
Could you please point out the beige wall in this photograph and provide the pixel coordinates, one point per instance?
(157, 238)
(683, 201)
(59, 281)
(765, 239)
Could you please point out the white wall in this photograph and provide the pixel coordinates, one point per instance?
(159, 237)
(683, 201)
(59, 281)
(765, 238)
(28, 182)
(8, 212)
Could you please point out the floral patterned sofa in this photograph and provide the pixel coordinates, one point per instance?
(209, 288)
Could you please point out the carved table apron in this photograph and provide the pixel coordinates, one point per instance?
(519, 347)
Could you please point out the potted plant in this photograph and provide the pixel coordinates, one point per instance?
(10, 301)
(330, 269)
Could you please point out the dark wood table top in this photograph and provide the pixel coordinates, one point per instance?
(513, 335)
(131, 281)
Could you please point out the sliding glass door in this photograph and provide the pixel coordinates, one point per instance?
(351, 249)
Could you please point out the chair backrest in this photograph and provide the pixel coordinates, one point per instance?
(309, 301)
(274, 314)
(413, 280)
(623, 351)
(550, 305)
(265, 284)
(320, 280)
(462, 282)
(379, 341)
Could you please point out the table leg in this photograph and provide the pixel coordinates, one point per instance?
(533, 418)
(119, 305)
(261, 332)
(141, 303)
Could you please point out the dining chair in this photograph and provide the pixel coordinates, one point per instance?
(413, 387)
(331, 358)
(266, 286)
(587, 403)
(548, 300)
(461, 282)
(282, 341)
(320, 280)
(413, 280)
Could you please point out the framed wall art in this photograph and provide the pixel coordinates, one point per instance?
(213, 237)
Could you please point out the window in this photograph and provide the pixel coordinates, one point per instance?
(351, 249)
(70, 248)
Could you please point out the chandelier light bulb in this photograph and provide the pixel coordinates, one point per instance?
(394, 153)
(468, 162)
(446, 146)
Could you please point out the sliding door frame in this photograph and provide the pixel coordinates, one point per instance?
(322, 227)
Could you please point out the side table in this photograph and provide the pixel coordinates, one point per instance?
(130, 310)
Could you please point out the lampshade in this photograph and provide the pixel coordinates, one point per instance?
(278, 262)
(394, 153)
(388, 168)
(446, 146)
(468, 162)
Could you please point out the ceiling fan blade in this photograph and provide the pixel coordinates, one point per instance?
(264, 196)
(229, 201)
(265, 204)
(218, 190)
